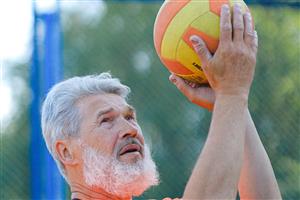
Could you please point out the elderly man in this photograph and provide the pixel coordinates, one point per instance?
(93, 135)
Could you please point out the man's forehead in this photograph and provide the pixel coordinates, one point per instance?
(96, 102)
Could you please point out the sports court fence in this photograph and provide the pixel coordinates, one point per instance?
(117, 37)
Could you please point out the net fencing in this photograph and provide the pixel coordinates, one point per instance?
(118, 37)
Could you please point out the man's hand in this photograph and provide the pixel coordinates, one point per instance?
(202, 96)
(230, 70)
(224, 75)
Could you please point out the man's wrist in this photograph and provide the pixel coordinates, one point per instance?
(234, 99)
(232, 91)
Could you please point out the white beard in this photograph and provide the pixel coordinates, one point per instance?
(118, 178)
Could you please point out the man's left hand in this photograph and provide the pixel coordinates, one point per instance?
(202, 96)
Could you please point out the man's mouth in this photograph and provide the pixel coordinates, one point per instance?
(130, 148)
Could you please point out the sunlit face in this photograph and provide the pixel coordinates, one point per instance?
(112, 150)
(109, 125)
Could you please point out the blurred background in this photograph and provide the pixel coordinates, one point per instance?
(89, 37)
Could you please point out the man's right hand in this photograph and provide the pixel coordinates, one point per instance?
(230, 71)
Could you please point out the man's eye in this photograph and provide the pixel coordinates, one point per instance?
(129, 117)
(107, 119)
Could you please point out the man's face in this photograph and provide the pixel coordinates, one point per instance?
(109, 125)
(112, 150)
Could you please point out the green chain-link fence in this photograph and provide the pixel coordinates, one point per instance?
(117, 37)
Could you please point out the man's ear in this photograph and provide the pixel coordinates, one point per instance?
(64, 152)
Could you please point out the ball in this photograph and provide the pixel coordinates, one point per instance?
(176, 21)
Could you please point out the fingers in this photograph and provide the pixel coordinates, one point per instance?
(181, 85)
(201, 50)
(238, 23)
(250, 35)
(225, 25)
(254, 43)
(191, 84)
(248, 27)
(241, 28)
(201, 96)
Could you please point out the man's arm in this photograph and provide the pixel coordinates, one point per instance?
(257, 179)
(230, 74)
(217, 171)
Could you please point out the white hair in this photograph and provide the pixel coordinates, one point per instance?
(60, 118)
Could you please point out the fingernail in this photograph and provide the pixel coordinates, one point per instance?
(225, 7)
(238, 6)
(172, 79)
(194, 39)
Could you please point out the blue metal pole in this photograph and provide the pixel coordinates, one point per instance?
(52, 73)
(36, 138)
(46, 70)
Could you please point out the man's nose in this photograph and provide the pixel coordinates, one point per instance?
(128, 129)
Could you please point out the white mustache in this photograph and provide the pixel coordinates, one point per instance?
(129, 141)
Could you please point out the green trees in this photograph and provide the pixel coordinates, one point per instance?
(121, 41)
(275, 93)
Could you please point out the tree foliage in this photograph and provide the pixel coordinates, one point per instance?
(120, 41)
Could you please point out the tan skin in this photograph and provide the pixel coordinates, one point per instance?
(230, 73)
(107, 121)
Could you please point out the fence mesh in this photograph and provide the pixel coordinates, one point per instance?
(117, 37)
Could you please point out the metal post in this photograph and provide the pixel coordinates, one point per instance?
(46, 182)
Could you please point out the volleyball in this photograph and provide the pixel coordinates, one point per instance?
(175, 22)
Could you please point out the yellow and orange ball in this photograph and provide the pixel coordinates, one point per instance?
(176, 21)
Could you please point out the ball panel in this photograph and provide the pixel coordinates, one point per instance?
(215, 6)
(211, 42)
(176, 67)
(177, 26)
(209, 23)
(165, 15)
(188, 58)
